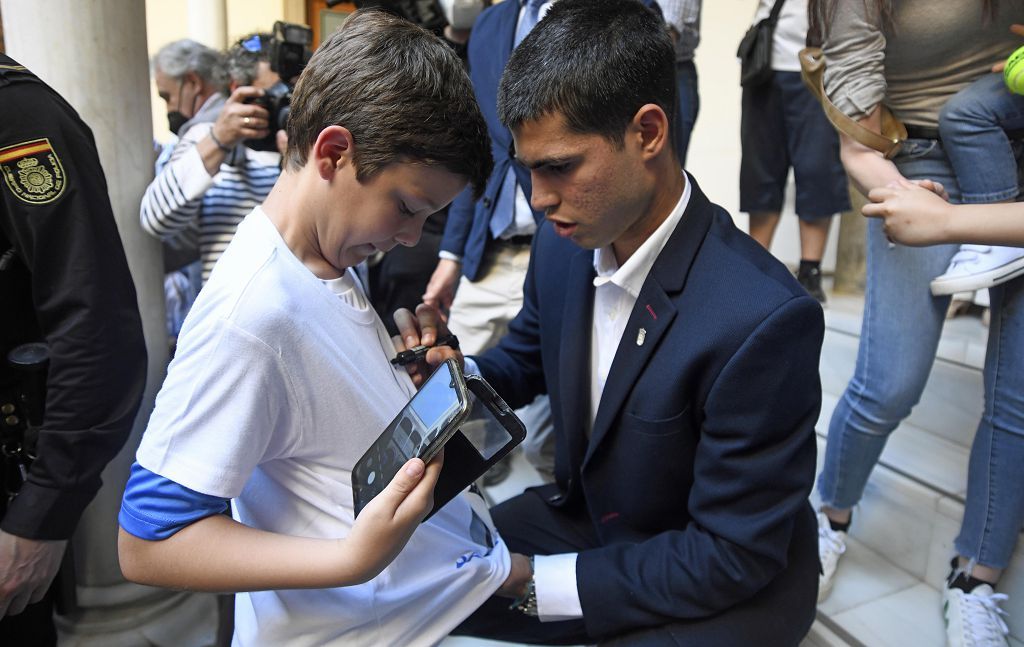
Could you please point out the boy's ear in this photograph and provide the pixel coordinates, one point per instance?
(332, 150)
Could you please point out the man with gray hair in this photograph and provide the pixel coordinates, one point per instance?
(212, 178)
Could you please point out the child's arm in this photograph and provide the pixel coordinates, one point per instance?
(217, 553)
(916, 216)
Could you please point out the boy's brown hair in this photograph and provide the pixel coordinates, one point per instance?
(401, 92)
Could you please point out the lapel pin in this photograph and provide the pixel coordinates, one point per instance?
(640, 336)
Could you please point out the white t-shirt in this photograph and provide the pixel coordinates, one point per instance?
(790, 33)
(280, 383)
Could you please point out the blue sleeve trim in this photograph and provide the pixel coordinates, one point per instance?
(155, 507)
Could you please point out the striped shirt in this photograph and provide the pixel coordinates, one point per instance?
(184, 196)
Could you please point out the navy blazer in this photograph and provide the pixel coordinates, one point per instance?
(702, 452)
(467, 231)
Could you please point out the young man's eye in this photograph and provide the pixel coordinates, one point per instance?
(404, 210)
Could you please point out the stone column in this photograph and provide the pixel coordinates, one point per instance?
(851, 256)
(94, 54)
(208, 22)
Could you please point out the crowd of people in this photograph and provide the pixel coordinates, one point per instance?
(514, 176)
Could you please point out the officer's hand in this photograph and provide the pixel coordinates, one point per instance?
(423, 328)
(239, 120)
(27, 566)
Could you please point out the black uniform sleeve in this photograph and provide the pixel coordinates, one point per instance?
(85, 307)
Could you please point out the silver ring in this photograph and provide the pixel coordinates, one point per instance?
(246, 120)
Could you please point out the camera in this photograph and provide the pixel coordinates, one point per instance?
(289, 53)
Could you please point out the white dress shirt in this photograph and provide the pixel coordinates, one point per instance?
(615, 293)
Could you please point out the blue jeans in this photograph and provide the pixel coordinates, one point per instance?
(973, 126)
(899, 336)
(689, 106)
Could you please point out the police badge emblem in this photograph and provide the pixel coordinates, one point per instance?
(32, 171)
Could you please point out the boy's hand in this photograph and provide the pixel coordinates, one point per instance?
(912, 214)
(387, 522)
(423, 328)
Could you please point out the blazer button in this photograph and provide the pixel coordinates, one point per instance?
(487, 202)
(555, 498)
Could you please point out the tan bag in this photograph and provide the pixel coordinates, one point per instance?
(894, 133)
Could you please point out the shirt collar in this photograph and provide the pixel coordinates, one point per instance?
(631, 276)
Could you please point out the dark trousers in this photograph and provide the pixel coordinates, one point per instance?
(689, 106)
(33, 627)
(780, 614)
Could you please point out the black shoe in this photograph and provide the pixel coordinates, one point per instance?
(810, 279)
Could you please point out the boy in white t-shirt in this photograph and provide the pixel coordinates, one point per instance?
(282, 379)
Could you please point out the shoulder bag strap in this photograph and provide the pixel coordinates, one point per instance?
(812, 71)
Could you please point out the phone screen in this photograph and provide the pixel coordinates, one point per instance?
(410, 434)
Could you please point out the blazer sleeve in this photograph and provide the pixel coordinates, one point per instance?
(460, 221)
(753, 471)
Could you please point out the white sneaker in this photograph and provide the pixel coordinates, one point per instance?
(831, 544)
(976, 267)
(974, 619)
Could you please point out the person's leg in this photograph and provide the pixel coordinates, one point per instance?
(821, 184)
(763, 225)
(780, 614)
(973, 125)
(764, 165)
(689, 106)
(813, 236)
(994, 508)
(894, 358)
(528, 525)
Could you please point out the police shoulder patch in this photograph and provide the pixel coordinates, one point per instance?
(32, 171)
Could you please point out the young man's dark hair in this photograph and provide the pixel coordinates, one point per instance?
(596, 67)
(386, 89)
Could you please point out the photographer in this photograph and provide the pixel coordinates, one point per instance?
(64, 281)
(213, 178)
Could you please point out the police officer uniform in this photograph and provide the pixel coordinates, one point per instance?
(64, 281)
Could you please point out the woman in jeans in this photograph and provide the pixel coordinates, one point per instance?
(912, 56)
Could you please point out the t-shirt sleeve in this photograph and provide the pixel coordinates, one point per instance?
(155, 507)
(855, 60)
(226, 406)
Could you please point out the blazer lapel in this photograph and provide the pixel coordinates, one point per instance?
(654, 312)
(574, 353)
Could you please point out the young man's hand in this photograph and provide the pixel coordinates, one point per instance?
(387, 522)
(441, 288)
(423, 329)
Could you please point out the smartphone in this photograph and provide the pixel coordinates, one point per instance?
(432, 420)
(419, 430)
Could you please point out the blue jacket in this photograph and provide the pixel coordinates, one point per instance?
(702, 453)
(467, 232)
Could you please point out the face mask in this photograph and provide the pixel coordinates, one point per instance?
(175, 120)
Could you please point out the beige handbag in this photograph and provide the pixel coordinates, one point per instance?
(894, 133)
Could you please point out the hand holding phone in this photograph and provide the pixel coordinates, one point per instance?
(431, 420)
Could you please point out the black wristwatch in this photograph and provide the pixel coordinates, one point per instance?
(527, 602)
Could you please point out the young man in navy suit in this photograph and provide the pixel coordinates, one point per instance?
(681, 360)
